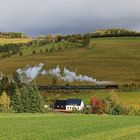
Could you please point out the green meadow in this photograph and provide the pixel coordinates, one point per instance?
(68, 127)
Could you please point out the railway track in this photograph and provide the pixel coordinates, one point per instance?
(80, 87)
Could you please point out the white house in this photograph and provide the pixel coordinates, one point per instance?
(74, 104)
(69, 105)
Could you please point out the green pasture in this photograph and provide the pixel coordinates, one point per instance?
(68, 127)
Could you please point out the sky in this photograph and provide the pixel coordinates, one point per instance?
(36, 17)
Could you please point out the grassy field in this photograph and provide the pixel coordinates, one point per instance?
(68, 127)
(14, 40)
(112, 59)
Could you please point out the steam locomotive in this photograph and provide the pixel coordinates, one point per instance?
(80, 87)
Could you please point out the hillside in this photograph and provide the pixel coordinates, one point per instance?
(112, 59)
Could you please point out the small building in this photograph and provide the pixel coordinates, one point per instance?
(60, 104)
(69, 104)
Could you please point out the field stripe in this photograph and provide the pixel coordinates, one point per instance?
(118, 134)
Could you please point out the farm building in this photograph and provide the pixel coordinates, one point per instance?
(60, 104)
(69, 105)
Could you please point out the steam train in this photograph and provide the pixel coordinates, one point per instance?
(73, 87)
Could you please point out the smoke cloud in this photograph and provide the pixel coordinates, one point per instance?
(70, 76)
(28, 74)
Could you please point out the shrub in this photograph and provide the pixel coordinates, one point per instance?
(114, 107)
(110, 105)
(41, 51)
(33, 52)
(46, 50)
(86, 110)
(50, 50)
(20, 53)
(97, 105)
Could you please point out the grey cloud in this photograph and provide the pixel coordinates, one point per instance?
(68, 16)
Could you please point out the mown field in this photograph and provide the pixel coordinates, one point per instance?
(14, 40)
(68, 127)
(112, 59)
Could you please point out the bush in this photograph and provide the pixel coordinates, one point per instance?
(113, 106)
(110, 105)
(46, 50)
(41, 51)
(33, 52)
(20, 53)
(97, 105)
(86, 110)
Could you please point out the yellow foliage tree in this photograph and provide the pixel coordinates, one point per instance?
(49, 37)
(4, 102)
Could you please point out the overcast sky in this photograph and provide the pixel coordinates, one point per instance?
(36, 17)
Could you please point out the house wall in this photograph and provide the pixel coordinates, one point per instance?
(72, 107)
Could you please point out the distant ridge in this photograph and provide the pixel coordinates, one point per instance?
(114, 32)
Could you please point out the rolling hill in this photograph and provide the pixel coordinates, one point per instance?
(112, 59)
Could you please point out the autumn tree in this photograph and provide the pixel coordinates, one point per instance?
(4, 102)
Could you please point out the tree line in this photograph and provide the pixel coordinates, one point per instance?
(17, 97)
(82, 39)
(12, 48)
(114, 33)
(75, 38)
(12, 35)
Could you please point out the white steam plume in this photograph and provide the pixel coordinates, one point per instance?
(30, 73)
(70, 76)
(55, 72)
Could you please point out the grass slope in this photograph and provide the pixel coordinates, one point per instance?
(54, 46)
(113, 59)
(68, 127)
